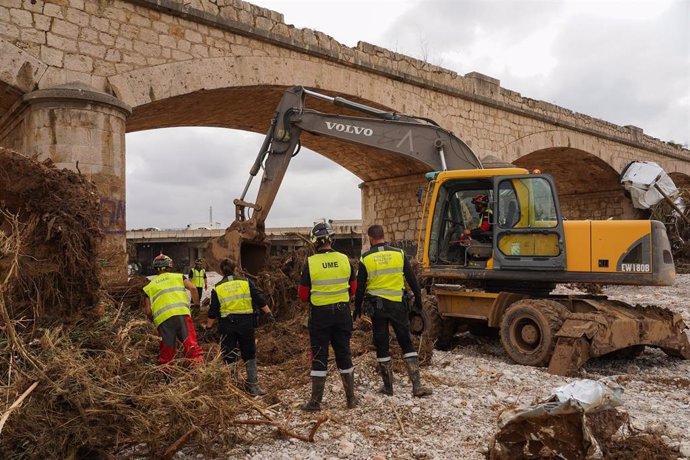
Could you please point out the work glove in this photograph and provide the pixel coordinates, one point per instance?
(271, 318)
(207, 335)
(356, 313)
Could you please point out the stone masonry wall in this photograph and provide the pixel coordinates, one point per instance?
(92, 40)
(393, 204)
(598, 206)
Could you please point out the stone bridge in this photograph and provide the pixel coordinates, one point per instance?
(76, 75)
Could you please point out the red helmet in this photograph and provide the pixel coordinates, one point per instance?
(480, 199)
(162, 261)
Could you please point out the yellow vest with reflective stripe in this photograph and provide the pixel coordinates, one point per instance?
(168, 297)
(198, 277)
(385, 273)
(330, 278)
(234, 297)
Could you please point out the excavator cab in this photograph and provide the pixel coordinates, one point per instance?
(529, 227)
(526, 231)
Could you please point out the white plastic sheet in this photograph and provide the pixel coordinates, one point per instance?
(590, 395)
(579, 396)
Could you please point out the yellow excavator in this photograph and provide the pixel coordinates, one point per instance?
(498, 279)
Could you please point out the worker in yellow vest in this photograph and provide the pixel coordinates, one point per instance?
(233, 303)
(327, 284)
(167, 306)
(198, 276)
(381, 278)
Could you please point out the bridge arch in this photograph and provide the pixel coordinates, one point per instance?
(250, 108)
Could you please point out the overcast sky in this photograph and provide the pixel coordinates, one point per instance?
(627, 62)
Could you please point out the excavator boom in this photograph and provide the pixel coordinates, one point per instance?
(413, 137)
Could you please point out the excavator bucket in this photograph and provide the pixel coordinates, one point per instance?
(250, 252)
(613, 326)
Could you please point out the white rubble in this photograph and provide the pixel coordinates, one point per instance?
(473, 384)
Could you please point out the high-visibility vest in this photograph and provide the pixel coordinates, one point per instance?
(485, 218)
(385, 273)
(198, 277)
(330, 278)
(168, 297)
(234, 297)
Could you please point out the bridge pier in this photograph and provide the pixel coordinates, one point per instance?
(393, 204)
(81, 129)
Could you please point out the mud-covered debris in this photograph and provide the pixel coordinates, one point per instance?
(58, 213)
(573, 423)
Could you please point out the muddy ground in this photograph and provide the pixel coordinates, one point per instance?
(473, 383)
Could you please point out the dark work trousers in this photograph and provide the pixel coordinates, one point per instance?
(394, 314)
(237, 330)
(330, 324)
(200, 290)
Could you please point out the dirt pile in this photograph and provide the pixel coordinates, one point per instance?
(580, 420)
(53, 214)
(279, 281)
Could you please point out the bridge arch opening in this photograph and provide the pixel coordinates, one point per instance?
(388, 181)
(588, 187)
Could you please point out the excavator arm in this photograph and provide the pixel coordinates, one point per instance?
(414, 137)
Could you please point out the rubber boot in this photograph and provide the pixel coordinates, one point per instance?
(386, 371)
(418, 390)
(252, 386)
(317, 386)
(349, 386)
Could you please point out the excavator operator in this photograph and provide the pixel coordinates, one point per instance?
(483, 231)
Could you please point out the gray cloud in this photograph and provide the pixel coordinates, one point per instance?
(627, 72)
(455, 25)
(622, 69)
